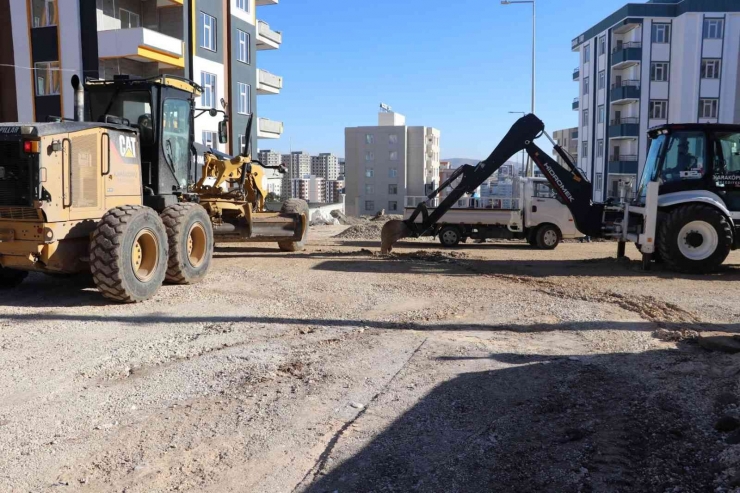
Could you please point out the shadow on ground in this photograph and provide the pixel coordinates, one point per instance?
(612, 423)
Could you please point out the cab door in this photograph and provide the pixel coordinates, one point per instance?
(726, 169)
(546, 207)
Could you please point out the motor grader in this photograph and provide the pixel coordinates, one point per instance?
(113, 192)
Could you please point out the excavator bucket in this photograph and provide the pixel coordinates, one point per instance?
(393, 231)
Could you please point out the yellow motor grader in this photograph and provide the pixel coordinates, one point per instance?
(114, 192)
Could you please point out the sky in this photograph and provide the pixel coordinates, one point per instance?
(459, 66)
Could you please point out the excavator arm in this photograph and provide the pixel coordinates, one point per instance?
(569, 182)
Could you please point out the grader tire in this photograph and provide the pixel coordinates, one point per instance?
(128, 254)
(190, 240)
(11, 278)
(295, 206)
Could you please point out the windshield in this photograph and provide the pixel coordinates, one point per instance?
(651, 165)
(175, 137)
(135, 106)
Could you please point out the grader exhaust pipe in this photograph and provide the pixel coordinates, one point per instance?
(79, 108)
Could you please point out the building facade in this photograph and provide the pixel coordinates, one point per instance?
(568, 140)
(664, 61)
(311, 189)
(334, 191)
(212, 42)
(388, 162)
(326, 165)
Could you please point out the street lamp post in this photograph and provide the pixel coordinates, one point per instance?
(523, 113)
(534, 30)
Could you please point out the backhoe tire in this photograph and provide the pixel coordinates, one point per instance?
(694, 238)
(548, 237)
(190, 241)
(449, 236)
(295, 206)
(128, 254)
(11, 278)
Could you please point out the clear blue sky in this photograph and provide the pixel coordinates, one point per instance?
(459, 66)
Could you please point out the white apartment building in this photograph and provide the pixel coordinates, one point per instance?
(212, 42)
(311, 189)
(326, 165)
(388, 162)
(664, 61)
(298, 166)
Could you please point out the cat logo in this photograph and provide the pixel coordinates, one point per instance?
(127, 146)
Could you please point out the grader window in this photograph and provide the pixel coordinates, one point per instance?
(175, 136)
(727, 155)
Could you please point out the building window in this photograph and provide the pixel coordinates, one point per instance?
(369, 205)
(599, 181)
(369, 156)
(659, 72)
(658, 110)
(392, 172)
(710, 68)
(369, 189)
(47, 78)
(602, 80)
(708, 108)
(586, 53)
(369, 138)
(602, 114)
(208, 83)
(44, 13)
(243, 55)
(393, 139)
(394, 156)
(585, 85)
(208, 32)
(392, 189)
(585, 118)
(242, 5)
(714, 28)
(369, 173)
(584, 148)
(661, 33)
(602, 45)
(600, 148)
(244, 98)
(392, 205)
(209, 138)
(129, 20)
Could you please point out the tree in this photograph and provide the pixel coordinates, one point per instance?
(271, 197)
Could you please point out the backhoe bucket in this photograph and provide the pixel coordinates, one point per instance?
(393, 231)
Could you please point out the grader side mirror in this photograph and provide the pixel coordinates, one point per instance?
(223, 132)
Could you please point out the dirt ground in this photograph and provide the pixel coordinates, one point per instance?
(488, 368)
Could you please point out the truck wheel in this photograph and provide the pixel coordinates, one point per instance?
(548, 237)
(449, 236)
(295, 206)
(11, 278)
(190, 241)
(128, 253)
(695, 239)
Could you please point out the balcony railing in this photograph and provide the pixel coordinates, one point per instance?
(576, 103)
(268, 83)
(625, 46)
(627, 54)
(623, 157)
(626, 83)
(625, 90)
(269, 39)
(626, 121)
(627, 127)
(576, 73)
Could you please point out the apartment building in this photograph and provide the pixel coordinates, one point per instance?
(334, 191)
(325, 164)
(310, 188)
(298, 166)
(213, 42)
(273, 181)
(664, 61)
(568, 140)
(387, 163)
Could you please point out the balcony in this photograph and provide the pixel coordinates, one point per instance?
(626, 91)
(267, 39)
(624, 128)
(576, 104)
(623, 164)
(169, 3)
(269, 129)
(626, 54)
(142, 45)
(268, 83)
(577, 74)
(266, 2)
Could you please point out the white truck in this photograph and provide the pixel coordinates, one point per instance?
(534, 212)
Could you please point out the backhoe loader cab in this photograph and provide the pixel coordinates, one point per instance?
(687, 207)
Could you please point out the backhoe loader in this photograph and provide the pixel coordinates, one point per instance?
(112, 192)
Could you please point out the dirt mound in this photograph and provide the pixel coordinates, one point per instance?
(363, 231)
(345, 219)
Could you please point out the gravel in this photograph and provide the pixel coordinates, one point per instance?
(485, 368)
